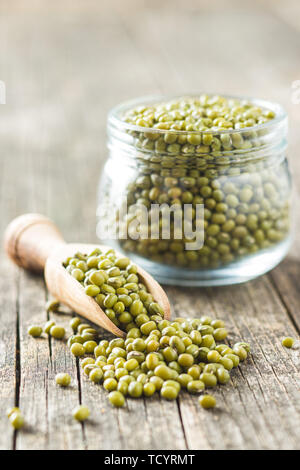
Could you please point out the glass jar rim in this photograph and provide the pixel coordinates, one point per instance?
(114, 116)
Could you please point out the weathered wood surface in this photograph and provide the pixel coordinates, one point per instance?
(65, 64)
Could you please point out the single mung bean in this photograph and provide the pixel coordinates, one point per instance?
(213, 356)
(184, 379)
(96, 375)
(116, 398)
(89, 346)
(16, 420)
(194, 371)
(222, 375)
(185, 360)
(210, 380)
(123, 387)
(57, 332)
(81, 413)
(35, 331)
(149, 389)
(164, 372)
(63, 379)
(135, 389)
(240, 352)
(52, 306)
(220, 334)
(92, 290)
(169, 393)
(75, 339)
(207, 401)
(195, 386)
(288, 342)
(226, 362)
(77, 349)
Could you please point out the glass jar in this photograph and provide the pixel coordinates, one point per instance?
(225, 194)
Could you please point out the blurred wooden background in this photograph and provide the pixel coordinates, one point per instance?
(65, 64)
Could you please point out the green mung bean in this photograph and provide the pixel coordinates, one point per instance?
(63, 379)
(57, 332)
(52, 305)
(16, 420)
(116, 398)
(81, 413)
(35, 331)
(288, 342)
(207, 401)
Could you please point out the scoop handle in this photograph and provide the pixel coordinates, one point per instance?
(29, 240)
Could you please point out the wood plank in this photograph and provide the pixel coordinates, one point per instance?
(266, 388)
(8, 350)
(47, 408)
(145, 416)
(34, 360)
(286, 280)
(64, 432)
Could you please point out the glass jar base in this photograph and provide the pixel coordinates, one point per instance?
(235, 273)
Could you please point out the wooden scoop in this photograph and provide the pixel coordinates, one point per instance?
(34, 242)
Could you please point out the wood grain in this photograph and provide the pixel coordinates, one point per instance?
(29, 240)
(62, 76)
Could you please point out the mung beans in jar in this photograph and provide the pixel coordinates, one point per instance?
(197, 188)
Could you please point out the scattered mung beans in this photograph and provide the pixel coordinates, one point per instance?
(96, 375)
(157, 355)
(77, 349)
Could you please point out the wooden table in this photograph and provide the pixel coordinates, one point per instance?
(65, 64)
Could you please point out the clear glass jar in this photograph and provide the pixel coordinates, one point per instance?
(234, 185)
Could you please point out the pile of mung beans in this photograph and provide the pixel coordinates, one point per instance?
(208, 151)
(157, 355)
